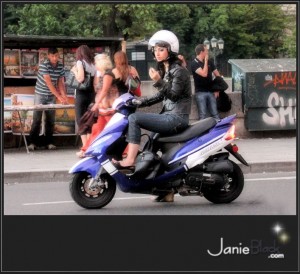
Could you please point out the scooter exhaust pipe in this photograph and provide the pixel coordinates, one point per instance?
(218, 167)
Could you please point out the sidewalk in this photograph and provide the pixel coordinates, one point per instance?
(263, 155)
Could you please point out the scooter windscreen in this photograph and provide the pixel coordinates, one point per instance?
(121, 100)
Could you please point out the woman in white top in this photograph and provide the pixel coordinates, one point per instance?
(83, 98)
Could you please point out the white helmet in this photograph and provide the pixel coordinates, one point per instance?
(165, 38)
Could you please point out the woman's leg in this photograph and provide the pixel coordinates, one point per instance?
(96, 130)
(132, 152)
(83, 139)
(82, 102)
(165, 124)
(79, 111)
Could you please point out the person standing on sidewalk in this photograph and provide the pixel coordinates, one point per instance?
(103, 81)
(117, 79)
(119, 74)
(83, 98)
(49, 86)
(203, 69)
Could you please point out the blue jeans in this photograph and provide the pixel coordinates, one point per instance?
(37, 119)
(165, 124)
(206, 101)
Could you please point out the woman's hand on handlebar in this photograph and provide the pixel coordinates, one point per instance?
(134, 102)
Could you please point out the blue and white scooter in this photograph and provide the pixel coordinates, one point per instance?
(190, 163)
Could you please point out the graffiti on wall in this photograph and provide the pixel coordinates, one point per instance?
(237, 78)
(281, 109)
(271, 99)
(282, 80)
(280, 112)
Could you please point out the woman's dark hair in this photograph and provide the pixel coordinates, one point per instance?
(173, 59)
(83, 52)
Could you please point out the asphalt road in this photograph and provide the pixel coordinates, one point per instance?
(263, 194)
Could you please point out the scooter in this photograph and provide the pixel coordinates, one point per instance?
(191, 163)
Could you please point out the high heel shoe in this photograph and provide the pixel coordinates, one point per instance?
(169, 197)
(119, 167)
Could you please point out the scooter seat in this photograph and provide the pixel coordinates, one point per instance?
(192, 131)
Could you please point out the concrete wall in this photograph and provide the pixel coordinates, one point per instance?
(148, 90)
(236, 97)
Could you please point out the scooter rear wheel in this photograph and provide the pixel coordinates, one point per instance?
(231, 190)
(92, 198)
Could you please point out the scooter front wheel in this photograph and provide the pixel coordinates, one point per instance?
(89, 195)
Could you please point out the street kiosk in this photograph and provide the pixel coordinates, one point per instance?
(269, 92)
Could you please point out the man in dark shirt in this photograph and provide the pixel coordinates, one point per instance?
(49, 86)
(202, 70)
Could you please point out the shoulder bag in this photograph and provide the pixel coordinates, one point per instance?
(133, 84)
(72, 82)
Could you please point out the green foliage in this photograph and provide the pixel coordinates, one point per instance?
(88, 20)
(289, 45)
(248, 30)
(136, 20)
(176, 17)
(10, 16)
(288, 48)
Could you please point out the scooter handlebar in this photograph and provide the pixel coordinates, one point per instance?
(136, 102)
(133, 102)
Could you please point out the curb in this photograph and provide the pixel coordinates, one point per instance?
(268, 167)
(16, 177)
(41, 176)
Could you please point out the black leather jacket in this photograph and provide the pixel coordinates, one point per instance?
(174, 90)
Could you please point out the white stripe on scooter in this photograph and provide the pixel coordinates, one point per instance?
(201, 155)
(197, 149)
(109, 167)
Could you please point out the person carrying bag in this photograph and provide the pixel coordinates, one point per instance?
(84, 72)
(72, 82)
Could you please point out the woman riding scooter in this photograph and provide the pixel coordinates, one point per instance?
(172, 81)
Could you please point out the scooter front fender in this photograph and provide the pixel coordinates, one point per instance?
(88, 164)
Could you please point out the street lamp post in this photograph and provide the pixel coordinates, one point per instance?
(217, 46)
